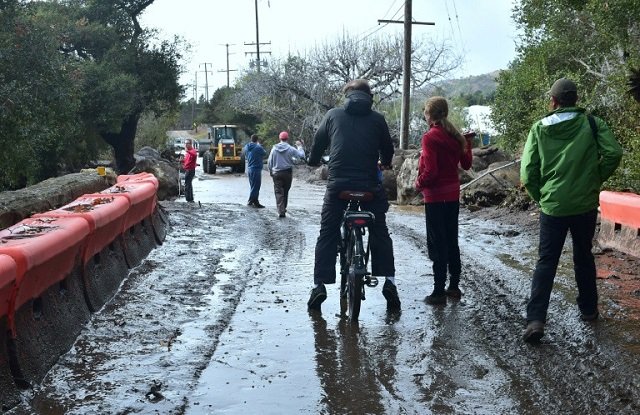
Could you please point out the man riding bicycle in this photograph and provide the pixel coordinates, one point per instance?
(358, 138)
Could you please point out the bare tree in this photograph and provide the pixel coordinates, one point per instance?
(297, 91)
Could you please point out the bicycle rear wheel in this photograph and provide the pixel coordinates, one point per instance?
(355, 277)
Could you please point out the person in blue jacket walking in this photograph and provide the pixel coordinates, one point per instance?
(254, 155)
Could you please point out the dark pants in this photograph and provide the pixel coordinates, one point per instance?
(281, 185)
(382, 261)
(553, 232)
(255, 181)
(188, 188)
(442, 242)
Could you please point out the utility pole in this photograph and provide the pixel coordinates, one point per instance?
(195, 97)
(257, 44)
(406, 72)
(228, 70)
(206, 79)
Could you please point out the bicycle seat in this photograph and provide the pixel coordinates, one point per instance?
(358, 195)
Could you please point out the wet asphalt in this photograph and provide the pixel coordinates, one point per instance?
(214, 321)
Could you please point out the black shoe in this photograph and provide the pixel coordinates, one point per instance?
(589, 316)
(318, 295)
(258, 205)
(282, 215)
(390, 293)
(453, 291)
(436, 298)
(534, 332)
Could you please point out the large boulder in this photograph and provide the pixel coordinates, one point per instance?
(49, 194)
(493, 185)
(149, 160)
(406, 178)
(484, 156)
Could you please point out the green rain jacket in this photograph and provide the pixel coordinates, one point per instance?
(563, 165)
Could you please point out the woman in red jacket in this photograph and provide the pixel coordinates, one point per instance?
(443, 148)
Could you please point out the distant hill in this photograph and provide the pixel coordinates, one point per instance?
(482, 87)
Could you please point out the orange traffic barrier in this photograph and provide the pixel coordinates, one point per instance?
(43, 322)
(8, 390)
(142, 197)
(9, 395)
(8, 270)
(138, 177)
(45, 250)
(105, 215)
(622, 208)
(620, 222)
(104, 264)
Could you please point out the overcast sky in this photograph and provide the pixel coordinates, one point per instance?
(481, 30)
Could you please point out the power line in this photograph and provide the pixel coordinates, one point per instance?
(376, 29)
(455, 9)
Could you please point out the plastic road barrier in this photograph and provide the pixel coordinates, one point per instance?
(9, 395)
(8, 270)
(620, 222)
(45, 323)
(105, 216)
(141, 195)
(139, 177)
(104, 265)
(45, 250)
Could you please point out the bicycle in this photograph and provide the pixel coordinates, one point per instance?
(354, 255)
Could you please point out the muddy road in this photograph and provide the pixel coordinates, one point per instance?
(214, 321)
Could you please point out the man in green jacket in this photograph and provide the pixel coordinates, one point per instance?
(567, 157)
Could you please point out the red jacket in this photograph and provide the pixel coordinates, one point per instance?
(189, 162)
(438, 168)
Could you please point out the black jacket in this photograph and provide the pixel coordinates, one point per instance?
(357, 137)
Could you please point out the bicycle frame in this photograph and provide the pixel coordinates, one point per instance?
(354, 258)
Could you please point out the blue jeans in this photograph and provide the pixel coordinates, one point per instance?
(188, 187)
(255, 181)
(553, 232)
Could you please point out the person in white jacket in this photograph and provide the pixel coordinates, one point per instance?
(281, 169)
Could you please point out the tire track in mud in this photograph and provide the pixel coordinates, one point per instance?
(578, 368)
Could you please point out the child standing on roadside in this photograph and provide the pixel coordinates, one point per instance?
(443, 149)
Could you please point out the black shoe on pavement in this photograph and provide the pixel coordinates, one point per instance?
(453, 292)
(318, 295)
(257, 205)
(390, 293)
(282, 215)
(534, 332)
(589, 316)
(436, 298)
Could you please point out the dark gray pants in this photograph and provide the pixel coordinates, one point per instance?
(382, 261)
(553, 232)
(442, 242)
(281, 185)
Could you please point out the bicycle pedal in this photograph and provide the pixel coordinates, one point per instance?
(371, 282)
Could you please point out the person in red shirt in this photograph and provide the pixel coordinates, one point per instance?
(189, 165)
(443, 148)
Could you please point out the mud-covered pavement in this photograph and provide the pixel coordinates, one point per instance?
(214, 321)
